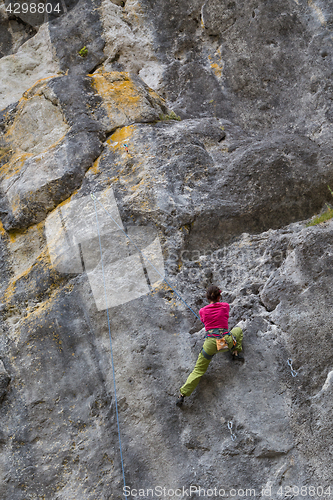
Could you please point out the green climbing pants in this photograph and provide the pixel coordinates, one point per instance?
(202, 363)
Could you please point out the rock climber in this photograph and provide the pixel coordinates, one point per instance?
(218, 339)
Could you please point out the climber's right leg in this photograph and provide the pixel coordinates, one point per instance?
(204, 358)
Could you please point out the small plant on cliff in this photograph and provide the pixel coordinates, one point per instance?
(83, 52)
(327, 215)
(171, 116)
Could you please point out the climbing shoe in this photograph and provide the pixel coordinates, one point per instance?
(237, 357)
(180, 400)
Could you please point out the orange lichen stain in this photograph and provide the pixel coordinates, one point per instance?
(139, 185)
(2, 230)
(40, 228)
(10, 290)
(121, 136)
(119, 92)
(217, 69)
(13, 235)
(95, 168)
(43, 308)
(15, 165)
(156, 96)
(37, 84)
(162, 287)
(216, 63)
(53, 146)
(68, 200)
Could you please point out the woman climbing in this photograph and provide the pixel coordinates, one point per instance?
(218, 339)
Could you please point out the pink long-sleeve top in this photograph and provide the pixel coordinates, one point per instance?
(215, 315)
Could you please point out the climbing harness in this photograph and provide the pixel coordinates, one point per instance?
(293, 372)
(112, 362)
(143, 255)
(219, 334)
(232, 435)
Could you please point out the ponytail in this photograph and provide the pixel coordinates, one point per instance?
(213, 293)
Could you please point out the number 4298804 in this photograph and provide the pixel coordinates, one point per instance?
(303, 491)
(32, 8)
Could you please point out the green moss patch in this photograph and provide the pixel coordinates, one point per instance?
(83, 52)
(171, 116)
(327, 215)
(321, 218)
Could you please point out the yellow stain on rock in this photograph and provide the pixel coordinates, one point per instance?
(43, 307)
(2, 230)
(216, 63)
(10, 290)
(18, 233)
(15, 165)
(155, 96)
(217, 69)
(319, 12)
(40, 228)
(68, 200)
(36, 86)
(121, 136)
(13, 235)
(95, 168)
(117, 89)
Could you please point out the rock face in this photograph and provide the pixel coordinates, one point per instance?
(204, 132)
(4, 380)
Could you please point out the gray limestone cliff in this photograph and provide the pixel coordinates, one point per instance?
(204, 131)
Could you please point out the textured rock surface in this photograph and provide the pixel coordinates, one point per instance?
(222, 196)
(34, 60)
(4, 380)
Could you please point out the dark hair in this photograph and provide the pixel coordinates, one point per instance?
(213, 293)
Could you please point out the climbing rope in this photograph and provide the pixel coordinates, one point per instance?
(108, 317)
(232, 435)
(113, 372)
(293, 372)
(143, 255)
